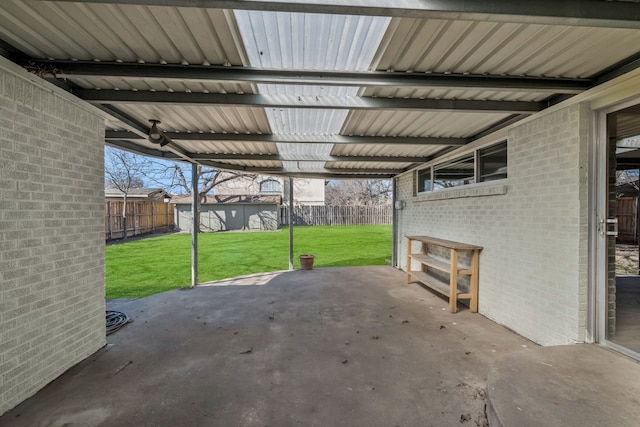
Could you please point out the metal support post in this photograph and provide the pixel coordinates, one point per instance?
(290, 223)
(195, 225)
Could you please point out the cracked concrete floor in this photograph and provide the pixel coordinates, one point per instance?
(352, 346)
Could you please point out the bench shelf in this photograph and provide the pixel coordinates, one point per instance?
(451, 267)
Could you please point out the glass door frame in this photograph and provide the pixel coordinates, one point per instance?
(597, 320)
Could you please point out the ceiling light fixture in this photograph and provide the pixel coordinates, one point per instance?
(156, 135)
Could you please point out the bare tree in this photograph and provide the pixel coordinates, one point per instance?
(176, 177)
(124, 171)
(368, 192)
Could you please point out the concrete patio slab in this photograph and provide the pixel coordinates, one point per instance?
(327, 347)
(577, 385)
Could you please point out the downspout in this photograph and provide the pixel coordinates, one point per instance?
(195, 225)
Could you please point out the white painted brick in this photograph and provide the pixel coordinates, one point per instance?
(533, 269)
(51, 243)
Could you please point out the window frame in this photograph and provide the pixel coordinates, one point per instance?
(417, 186)
(479, 166)
(477, 173)
(463, 159)
(271, 182)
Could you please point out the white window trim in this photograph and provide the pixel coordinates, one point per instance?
(471, 148)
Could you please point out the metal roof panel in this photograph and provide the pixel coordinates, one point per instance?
(219, 147)
(177, 118)
(253, 163)
(122, 32)
(305, 121)
(119, 83)
(448, 46)
(417, 123)
(367, 165)
(281, 40)
(430, 93)
(386, 150)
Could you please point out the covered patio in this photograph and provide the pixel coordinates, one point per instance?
(495, 120)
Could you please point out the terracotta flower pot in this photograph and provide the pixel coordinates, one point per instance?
(306, 262)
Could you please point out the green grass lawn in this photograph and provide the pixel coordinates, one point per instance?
(149, 266)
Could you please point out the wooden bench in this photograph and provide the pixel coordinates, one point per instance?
(449, 267)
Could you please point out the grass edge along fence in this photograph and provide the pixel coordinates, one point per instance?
(139, 268)
(338, 215)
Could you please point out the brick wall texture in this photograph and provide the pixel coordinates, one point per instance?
(534, 229)
(51, 234)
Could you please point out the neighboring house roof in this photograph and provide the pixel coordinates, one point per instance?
(211, 199)
(137, 193)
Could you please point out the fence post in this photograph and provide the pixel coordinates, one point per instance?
(110, 222)
(135, 219)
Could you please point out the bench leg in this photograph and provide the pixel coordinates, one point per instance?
(408, 260)
(453, 282)
(473, 304)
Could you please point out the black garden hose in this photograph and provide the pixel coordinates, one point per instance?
(116, 320)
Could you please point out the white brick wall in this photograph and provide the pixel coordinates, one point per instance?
(533, 269)
(51, 234)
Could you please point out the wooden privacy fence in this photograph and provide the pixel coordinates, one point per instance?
(142, 217)
(337, 215)
(627, 214)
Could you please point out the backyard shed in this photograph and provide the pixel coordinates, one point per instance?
(501, 123)
(229, 213)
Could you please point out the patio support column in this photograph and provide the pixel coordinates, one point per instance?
(195, 225)
(290, 223)
(394, 223)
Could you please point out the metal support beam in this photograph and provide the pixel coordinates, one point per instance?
(612, 14)
(139, 149)
(11, 53)
(313, 102)
(310, 158)
(326, 175)
(298, 139)
(494, 127)
(88, 69)
(622, 67)
(368, 171)
(328, 172)
(141, 130)
(195, 225)
(291, 223)
(135, 126)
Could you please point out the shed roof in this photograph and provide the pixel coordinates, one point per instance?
(316, 87)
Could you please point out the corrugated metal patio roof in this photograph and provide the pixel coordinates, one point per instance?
(314, 88)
